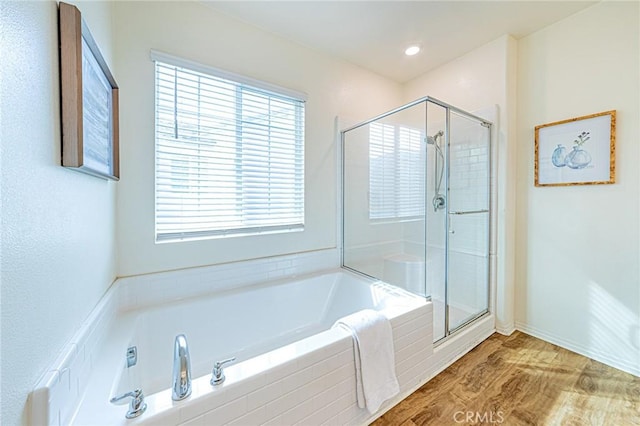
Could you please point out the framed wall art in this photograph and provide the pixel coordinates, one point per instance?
(89, 101)
(577, 151)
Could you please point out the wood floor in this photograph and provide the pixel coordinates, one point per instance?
(520, 380)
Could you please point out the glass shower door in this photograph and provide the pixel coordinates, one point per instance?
(467, 220)
(383, 198)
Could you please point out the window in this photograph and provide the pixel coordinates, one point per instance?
(229, 154)
(396, 172)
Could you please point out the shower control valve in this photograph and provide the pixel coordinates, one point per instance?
(439, 202)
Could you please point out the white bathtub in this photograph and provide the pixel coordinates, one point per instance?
(291, 366)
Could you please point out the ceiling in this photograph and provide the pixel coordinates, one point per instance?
(374, 34)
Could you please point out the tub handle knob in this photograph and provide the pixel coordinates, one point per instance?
(136, 405)
(217, 375)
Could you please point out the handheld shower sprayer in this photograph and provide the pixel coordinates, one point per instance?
(439, 201)
(433, 140)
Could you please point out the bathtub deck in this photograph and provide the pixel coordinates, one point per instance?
(522, 380)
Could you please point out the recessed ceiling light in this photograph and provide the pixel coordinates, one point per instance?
(412, 50)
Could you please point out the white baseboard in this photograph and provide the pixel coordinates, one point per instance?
(505, 331)
(611, 361)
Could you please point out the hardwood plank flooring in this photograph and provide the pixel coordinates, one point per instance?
(521, 380)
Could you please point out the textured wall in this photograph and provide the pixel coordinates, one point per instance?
(335, 88)
(578, 254)
(58, 248)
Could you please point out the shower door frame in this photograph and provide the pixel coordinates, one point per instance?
(447, 133)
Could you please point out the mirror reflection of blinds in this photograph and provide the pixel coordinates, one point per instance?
(396, 172)
(229, 157)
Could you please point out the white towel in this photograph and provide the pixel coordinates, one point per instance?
(373, 353)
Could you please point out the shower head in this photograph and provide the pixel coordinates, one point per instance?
(432, 140)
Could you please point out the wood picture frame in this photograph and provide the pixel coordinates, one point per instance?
(577, 151)
(89, 95)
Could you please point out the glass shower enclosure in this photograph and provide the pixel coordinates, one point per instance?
(416, 206)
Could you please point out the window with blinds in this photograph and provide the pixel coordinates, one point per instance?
(396, 172)
(229, 155)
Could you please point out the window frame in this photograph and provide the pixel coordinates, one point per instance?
(243, 86)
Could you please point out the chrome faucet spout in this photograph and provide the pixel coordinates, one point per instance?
(181, 369)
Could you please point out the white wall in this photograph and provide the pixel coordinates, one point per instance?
(58, 248)
(196, 32)
(476, 82)
(578, 255)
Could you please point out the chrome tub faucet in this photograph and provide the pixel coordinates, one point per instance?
(181, 369)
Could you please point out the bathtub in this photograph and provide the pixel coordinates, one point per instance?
(291, 367)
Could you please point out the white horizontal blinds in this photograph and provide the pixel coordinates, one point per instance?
(396, 172)
(272, 175)
(382, 171)
(229, 157)
(411, 163)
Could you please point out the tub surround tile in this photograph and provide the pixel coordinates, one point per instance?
(197, 421)
(309, 390)
(347, 388)
(325, 397)
(234, 388)
(164, 418)
(153, 289)
(419, 346)
(414, 376)
(298, 412)
(254, 417)
(281, 371)
(325, 412)
(344, 371)
(40, 397)
(276, 421)
(323, 391)
(317, 386)
(326, 366)
(56, 395)
(326, 384)
(295, 380)
(201, 401)
(228, 412)
(264, 395)
(413, 336)
(348, 415)
(409, 324)
(283, 403)
(331, 421)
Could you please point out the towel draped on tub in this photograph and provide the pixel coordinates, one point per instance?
(374, 357)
